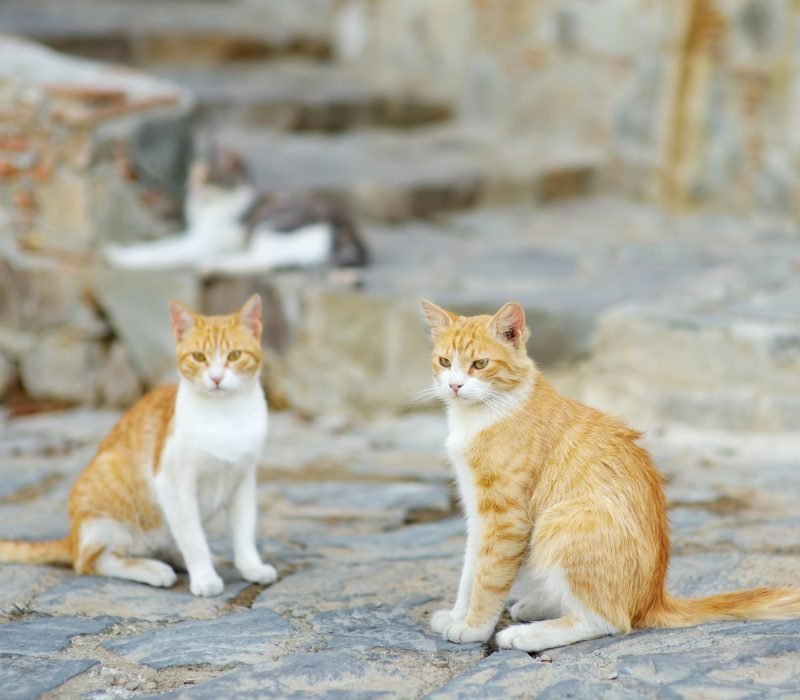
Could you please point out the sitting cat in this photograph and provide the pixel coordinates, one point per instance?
(178, 456)
(561, 492)
(233, 230)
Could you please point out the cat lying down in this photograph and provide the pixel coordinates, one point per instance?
(180, 455)
(231, 229)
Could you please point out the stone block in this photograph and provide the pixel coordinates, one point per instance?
(24, 677)
(39, 636)
(356, 352)
(244, 637)
(8, 374)
(41, 293)
(62, 365)
(118, 384)
(136, 304)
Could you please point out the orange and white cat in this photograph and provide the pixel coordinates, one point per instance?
(559, 493)
(178, 456)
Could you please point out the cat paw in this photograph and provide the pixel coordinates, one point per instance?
(261, 573)
(518, 637)
(462, 633)
(206, 585)
(160, 574)
(442, 619)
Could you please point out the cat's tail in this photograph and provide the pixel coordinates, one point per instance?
(753, 604)
(48, 552)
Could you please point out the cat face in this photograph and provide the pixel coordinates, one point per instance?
(218, 355)
(216, 174)
(478, 359)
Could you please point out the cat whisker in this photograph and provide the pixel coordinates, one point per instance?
(421, 397)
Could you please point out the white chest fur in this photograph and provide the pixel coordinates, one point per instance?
(225, 429)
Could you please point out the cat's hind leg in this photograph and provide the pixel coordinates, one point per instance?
(538, 636)
(585, 570)
(104, 548)
(150, 571)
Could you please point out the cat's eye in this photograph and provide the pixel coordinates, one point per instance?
(480, 364)
(234, 355)
(444, 362)
(198, 357)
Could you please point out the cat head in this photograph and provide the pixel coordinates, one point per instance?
(216, 173)
(218, 355)
(478, 359)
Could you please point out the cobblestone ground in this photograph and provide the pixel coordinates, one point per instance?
(360, 522)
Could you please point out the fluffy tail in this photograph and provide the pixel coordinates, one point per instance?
(49, 552)
(754, 604)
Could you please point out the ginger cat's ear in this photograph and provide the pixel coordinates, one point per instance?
(250, 315)
(182, 319)
(509, 324)
(438, 318)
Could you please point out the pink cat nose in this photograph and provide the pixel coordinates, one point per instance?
(216, 378)
(455, 386)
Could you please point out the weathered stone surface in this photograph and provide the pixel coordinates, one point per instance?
(246, 637)
(178, 32)
(24, 677)
(64, 366)
(137, 300)
(390, 176)
(302, 95)
(119, 385)
(39, 636)
(373, 627)
(91, 597)
(8, 373)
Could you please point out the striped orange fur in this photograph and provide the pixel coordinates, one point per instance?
(559, 493)
(153, 482)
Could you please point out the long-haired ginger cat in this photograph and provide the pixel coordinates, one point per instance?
(178, 456)
(561, 492)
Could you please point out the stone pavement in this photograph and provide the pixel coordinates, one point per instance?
(359, 519)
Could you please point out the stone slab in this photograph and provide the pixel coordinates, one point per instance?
(245, 637)
(25, 677)
(46, 634)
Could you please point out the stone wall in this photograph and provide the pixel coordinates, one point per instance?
(88, 153)
(694, 99)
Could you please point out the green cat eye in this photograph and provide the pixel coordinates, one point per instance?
(234, 355)
(198, 357)
(444, 362)
(480, 364)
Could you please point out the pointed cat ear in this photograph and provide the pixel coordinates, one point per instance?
(182, 319)
(509, 324)
(438, 318)
(250, 315)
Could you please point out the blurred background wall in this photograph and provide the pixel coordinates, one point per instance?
(452, 128)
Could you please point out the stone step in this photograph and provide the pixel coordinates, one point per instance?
(175, 31)
(396, 175)
(301, 95)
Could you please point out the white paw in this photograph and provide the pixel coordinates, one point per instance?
(260, 573)
(206, 585)
(519, 637)
(461, 633)
(160, 574)
(442, 619)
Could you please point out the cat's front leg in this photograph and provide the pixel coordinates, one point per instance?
(242, 512)
(502, 545)
(177, 494)
(442, 619)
